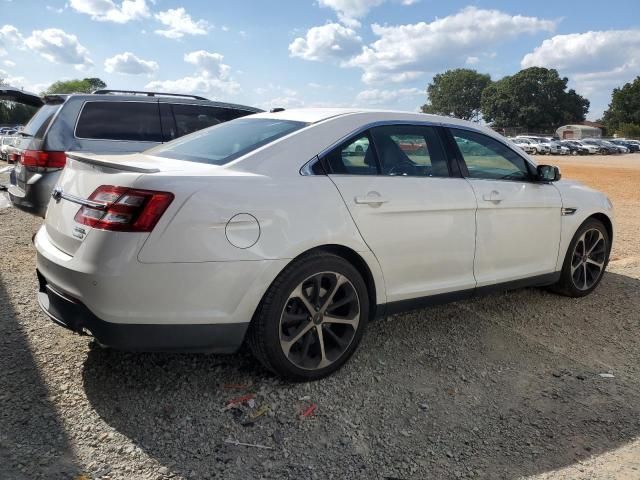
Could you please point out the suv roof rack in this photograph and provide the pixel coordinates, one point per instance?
(148, 94)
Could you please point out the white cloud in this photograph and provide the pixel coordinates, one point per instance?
(9, 36)
(212, 77)
(587, 52)
(129, 64)
(595, 62)
(330, 41)
(54, 9)
(386, 97)
(109, 11)
(472, 60)
(349, 11)
(9, 63)
(180, 23)
(404, 52)
(208, 62)
(59, 47)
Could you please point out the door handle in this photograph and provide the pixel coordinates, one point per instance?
(494, 196)
(370, 199)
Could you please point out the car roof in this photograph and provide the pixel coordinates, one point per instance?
(314, 115)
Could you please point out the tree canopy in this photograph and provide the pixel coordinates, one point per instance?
(456, 93)
(85, 85)
(535, 98)
(624, 107)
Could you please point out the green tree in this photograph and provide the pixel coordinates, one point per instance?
(624, 106)
(535, 98)
(86, 85)
(628, 130)
(456, 93)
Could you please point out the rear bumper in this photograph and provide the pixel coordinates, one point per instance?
(72, 314)
(35, 196)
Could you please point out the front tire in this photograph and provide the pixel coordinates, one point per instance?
(585, 261)
(311, 319)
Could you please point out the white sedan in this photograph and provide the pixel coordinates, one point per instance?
(273, 228)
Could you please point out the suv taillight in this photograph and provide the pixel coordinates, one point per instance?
(124, 209)
(43, 159)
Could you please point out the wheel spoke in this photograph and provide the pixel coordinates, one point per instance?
(299, 293)
(599, 238)
(342, 321)
(584, 272)
(324, 361)
(340, 280)
(287, 344)
(340, 303)
(591, 261)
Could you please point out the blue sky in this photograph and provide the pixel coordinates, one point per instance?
(370, 53)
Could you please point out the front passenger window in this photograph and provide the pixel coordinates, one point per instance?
(488, 158)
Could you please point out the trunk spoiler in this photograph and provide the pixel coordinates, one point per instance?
(104, 161)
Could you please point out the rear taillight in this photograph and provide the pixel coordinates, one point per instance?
(43, 159)
(124, 209)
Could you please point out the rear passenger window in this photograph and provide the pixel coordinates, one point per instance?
(355, 157)
(133, 121)
(191, 118)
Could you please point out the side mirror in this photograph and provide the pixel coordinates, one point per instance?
(548, 173)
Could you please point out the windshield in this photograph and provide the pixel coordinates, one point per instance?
(40, 121)
(225, 142)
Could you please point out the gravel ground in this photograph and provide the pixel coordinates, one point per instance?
(505, 386)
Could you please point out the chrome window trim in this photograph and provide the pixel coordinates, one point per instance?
(305, 170)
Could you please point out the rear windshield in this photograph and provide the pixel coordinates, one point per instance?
(225, 142)
(133, 121)
(40, 121)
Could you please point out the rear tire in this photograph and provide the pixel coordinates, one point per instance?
(585, 261)
(311, 319)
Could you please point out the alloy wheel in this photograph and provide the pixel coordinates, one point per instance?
(319, 320)
(588, 259)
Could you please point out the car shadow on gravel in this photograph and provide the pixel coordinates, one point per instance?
(500, 387)
(32, 437)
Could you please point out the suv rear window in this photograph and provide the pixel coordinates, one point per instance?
(41, 120)
(226, 142)
(191, 118)
(133, 121)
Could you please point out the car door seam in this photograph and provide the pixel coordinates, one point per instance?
(355, 224)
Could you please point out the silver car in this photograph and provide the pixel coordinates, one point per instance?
(106, 121)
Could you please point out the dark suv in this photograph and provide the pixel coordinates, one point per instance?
(106, 121)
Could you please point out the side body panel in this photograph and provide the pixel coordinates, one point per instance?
(423, 236)
(518, 230)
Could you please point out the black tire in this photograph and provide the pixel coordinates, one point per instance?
(264, 335)
(566, 285)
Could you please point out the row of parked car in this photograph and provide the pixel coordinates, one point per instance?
(536, 145)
